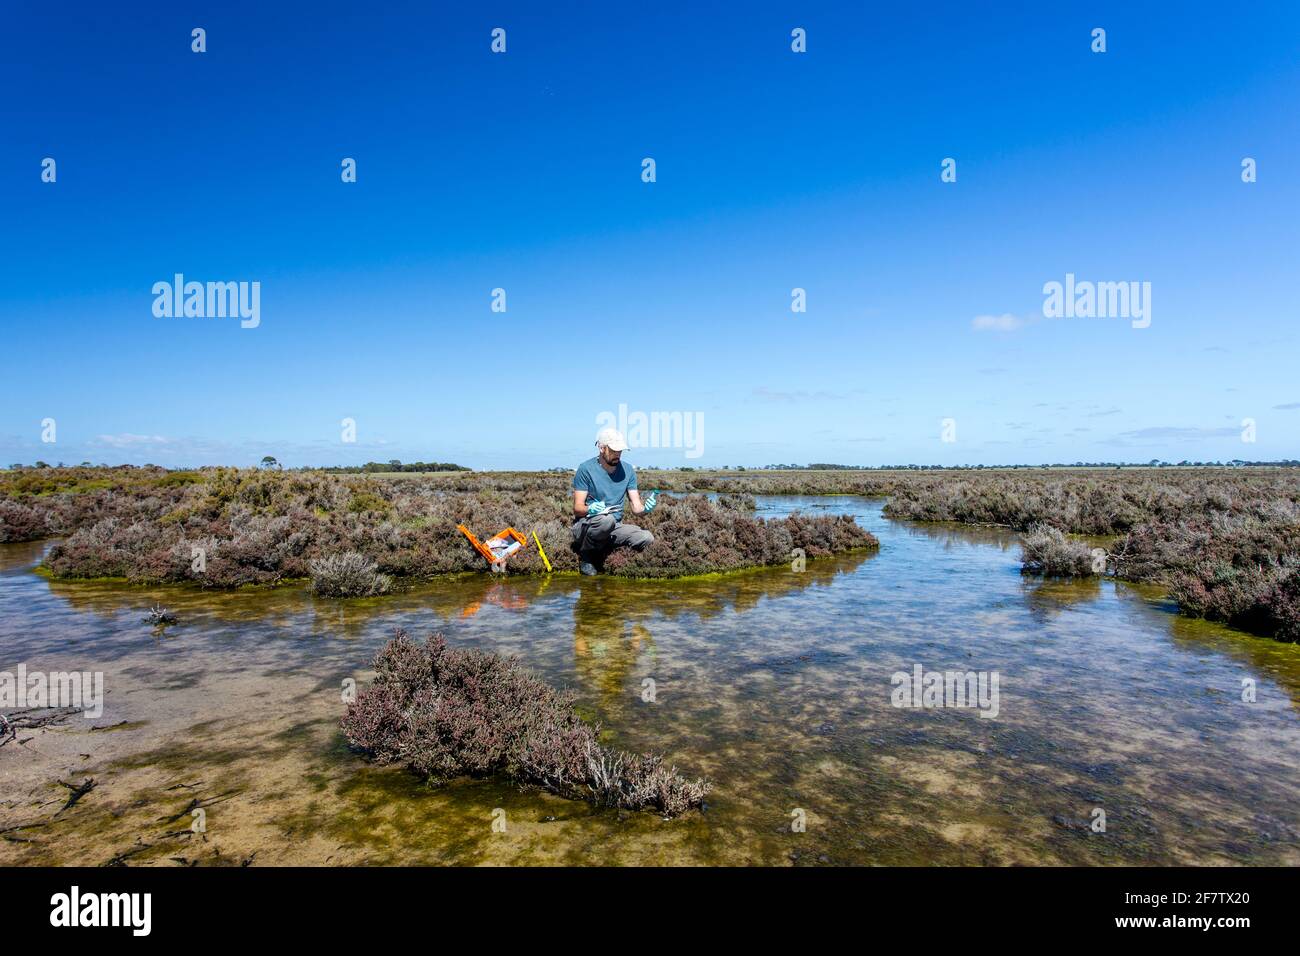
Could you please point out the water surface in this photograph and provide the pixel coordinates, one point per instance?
(775, 684)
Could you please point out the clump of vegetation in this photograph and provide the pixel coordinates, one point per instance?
(696, 536)
(1225, 542)
(737, 502)
(450, 712)
(348, 575)
(1047, 551)
(46, 502)
(20, 522)
(262, 526)
(1242, 569)
(159, 616)
(394, 466)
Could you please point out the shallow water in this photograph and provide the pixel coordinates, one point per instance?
(775, 684)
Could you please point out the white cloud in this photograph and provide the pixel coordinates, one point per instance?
(1146, 437)
(997, 323)
(129, 440)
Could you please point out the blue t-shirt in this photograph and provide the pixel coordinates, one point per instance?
(601, 485)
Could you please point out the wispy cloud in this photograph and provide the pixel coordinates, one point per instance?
(998, 323)
(185, 451)
(129, 440)
(772, 395)
(1172, 433)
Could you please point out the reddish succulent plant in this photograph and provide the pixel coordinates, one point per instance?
(448, 712)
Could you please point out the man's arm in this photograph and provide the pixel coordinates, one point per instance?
(634, 496)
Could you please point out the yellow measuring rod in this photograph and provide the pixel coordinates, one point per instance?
(545, 559)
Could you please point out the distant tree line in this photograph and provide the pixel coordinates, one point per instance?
(371, 467)
(1153, 463)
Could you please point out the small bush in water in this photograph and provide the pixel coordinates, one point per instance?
(348, 575)
(159, 616)
(1047, 551)
(448, 712)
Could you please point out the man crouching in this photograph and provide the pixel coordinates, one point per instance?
(599, 486)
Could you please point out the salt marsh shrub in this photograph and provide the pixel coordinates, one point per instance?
(1047, 551)
(696, 536)
(348, 575)
(19, 522)
(261, 528)
(1225, 543)
(737, 502)
(1236, 568)
(448, 712)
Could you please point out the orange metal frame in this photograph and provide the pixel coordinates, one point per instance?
(483, 549)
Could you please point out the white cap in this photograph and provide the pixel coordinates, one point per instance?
(611, 438)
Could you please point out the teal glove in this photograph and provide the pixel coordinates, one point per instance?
(595, 508)
(649, 501)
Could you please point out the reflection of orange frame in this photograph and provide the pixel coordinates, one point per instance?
(483, 549)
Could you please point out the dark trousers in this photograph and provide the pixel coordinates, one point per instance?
(595, 537)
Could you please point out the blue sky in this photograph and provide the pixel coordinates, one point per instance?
(775, 170)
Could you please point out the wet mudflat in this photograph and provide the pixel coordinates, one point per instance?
(776, 684)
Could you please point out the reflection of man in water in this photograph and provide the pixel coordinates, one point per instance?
(606, 646)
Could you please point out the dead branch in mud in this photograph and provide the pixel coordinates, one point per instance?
(189, 808)
(78, 791)
(31, 719)
(23, 826)
(10, 833)
(198, 803)
(121, 858)
(120, 723)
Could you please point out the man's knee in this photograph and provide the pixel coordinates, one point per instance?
(635, 538)
(596, 530)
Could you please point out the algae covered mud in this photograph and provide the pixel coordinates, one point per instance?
(1123, 733)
